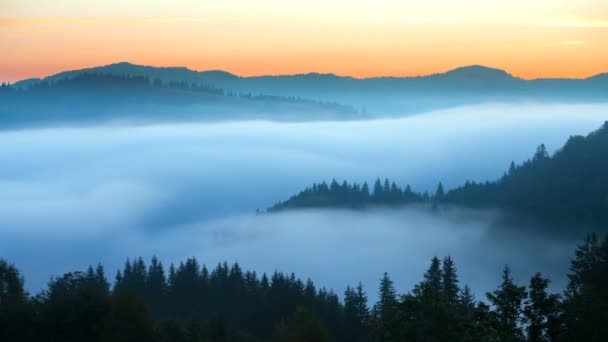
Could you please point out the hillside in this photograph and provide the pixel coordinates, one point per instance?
(350, 196)
(568, 189)
(379, 95)
(95, 98)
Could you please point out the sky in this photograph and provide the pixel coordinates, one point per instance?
(527, 38)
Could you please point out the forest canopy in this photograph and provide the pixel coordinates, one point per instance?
(566, 190)
(189, 302)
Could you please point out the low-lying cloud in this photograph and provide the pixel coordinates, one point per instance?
(335, 248)
(74, 196)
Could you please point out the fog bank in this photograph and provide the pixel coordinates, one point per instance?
(334, 248)
(74, 196)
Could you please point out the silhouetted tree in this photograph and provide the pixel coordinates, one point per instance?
(586, 297)
(508, 300)
(450, 282)
(541, 311)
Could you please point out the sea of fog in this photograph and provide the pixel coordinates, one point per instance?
(70, 197)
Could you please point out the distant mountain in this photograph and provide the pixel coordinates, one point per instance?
(93, 97)
(560, 192)
(379, 95)
(125, 69)
(476, 71)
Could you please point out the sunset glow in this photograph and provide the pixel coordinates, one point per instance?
(530, 39)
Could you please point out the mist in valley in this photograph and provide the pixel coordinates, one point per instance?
(77, 196)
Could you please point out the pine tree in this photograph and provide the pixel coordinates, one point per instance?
(432, 285)
(117, 280)
(378, 194)
(586, 297)
(365, 190)
(466, 303)
(507, 300)
(101, 280)
(356, 313)
(361, 304)
(512, 169)
(541, 153)
(449, 282)
(387, 302)
(541, 311)
(385, 311)
(439, 193)
(156, 286)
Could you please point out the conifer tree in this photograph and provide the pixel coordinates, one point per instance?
(385, 311)
(432, 285)
(439, 193)
(449, 282)
(508, 300)
(541, 311)
(466, 303)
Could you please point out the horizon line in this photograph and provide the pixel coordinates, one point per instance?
(308, 73)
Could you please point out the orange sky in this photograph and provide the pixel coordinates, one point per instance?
(530, 39)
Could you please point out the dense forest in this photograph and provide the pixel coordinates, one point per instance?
(192, 303)
(351, 196)
(566, 189)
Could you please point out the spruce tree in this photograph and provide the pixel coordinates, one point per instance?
(586, 297)
(432, 285)
(385, 308)
(156, 286)
(439, 193)
(507, 301)
(541, 311)
(466, 303)
(449, 282)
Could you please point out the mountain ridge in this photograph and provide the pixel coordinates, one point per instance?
(382, 96)
(474, 70)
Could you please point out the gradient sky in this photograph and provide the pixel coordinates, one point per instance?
(528, 38)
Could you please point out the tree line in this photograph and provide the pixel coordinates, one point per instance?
(566, 189)
(134, 85)
(192, 303)
(351, 196)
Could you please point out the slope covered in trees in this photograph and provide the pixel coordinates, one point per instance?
(93, 97)
(381, 95)
(192, 303)
(567, 189)
(350, 196)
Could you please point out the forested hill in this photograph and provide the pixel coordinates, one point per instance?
(466, 85)
(351, 196)
(94, 97)
(569, 188)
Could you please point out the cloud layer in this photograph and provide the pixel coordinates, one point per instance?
(71, 197)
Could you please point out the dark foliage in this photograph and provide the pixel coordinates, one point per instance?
(350, 196)
(90, 97)
(191, 303)
(567, 189)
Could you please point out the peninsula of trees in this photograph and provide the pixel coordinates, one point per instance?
(566, 189)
